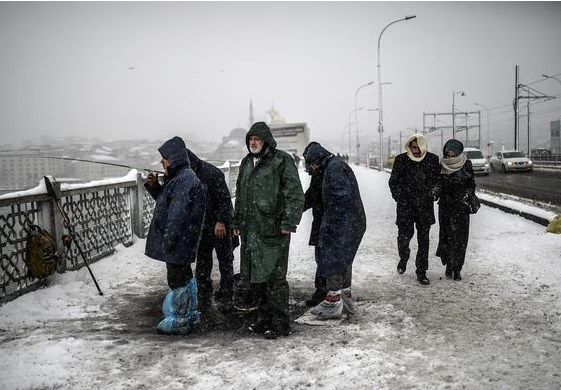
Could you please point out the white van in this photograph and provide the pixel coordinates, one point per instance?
(478, 161)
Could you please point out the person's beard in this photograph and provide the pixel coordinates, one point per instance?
(255, 149)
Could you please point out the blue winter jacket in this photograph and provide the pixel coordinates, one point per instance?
(178, 218)
(343, 222)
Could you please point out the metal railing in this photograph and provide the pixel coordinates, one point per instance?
(104, 214)
(552, 160)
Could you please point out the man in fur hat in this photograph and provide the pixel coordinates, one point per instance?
(413, 186)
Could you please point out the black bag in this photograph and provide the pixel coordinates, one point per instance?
(472, 202)
(41, 259)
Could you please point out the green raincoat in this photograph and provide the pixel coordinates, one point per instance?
(269, 198)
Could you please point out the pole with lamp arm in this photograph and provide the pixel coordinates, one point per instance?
(488, 128)
(356, 118)
(559, 81)
(454, 93)
(380, 105)
(349, 124)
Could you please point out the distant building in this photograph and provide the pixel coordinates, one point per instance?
(291, 137)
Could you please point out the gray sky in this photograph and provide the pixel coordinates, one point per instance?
(67, 68)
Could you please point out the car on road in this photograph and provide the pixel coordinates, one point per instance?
(478, 161)
(511, 161)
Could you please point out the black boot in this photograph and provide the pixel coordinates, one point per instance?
(449, 272)
(317, 297)
(401, 267)
(457, 275)
(422, 278)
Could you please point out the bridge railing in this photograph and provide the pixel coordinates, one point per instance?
(548, 160)
(104, 214)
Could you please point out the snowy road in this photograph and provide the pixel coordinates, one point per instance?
(499, 328)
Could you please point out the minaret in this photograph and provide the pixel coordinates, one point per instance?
(250, 114)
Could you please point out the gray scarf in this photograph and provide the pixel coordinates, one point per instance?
(450, 165)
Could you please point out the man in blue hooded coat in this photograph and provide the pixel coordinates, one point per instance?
(343, 223)
(174, 234)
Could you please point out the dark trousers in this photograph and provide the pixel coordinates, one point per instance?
(273, 304)
(405, 233)
(319, 280)
(223, 248)
(178, 275)
(325, 281)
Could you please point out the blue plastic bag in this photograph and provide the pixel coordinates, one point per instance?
(180, 310)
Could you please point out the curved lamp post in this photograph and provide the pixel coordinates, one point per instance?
(454, 93)
(356, 117)
(380, 106)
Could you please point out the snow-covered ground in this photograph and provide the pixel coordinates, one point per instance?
(498, 328)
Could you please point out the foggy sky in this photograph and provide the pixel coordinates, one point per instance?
(152, 70)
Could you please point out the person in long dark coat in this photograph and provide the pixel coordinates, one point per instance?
(215, 235)
(268, 207)
(174, 234)
(313, 200)
(456, 181)
(342, 225)
(413, 186)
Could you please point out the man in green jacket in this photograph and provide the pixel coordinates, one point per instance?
(269, 204)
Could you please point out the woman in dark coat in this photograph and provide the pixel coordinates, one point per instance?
(174, 234)
(456, 182)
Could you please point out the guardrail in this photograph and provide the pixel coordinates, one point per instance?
(104, 214)
(551, 160)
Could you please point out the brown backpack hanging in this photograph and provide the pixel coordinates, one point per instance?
(41, 259)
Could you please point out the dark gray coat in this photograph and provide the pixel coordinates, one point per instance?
(177, 223)
(343, 221)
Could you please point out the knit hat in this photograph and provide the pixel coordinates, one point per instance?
(453, 145)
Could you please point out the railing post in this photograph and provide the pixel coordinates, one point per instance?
(138, 206)
(49, 218)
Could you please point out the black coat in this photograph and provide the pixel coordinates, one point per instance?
(413, 187)
(343, 221)
(179, 213)
(219, 206)
(453, 215)
(313, 200)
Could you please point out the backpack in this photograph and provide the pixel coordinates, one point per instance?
(41, 258)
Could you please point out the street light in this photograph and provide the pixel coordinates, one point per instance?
(488, 128)
(356, 116)
(454, 93)
(381, 113)
(349, 122)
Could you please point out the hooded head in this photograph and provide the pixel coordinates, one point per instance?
(421, 144)
(194, 161)
(453, 145)
(316, 154)
(261, 130)
(175, 152)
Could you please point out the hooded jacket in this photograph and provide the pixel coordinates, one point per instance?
(178, 217)
(343, 221)
(218, 200)
(413, 183)
(269, 198)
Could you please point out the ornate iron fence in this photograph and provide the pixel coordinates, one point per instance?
(103, 214)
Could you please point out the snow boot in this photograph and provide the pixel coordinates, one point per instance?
(180, 310)
(348, 301)
(331, 307)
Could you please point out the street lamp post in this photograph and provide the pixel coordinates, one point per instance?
(454, 93)
(380, 106)
(559, 81)
(356, 118)
(349, 124)
(488, 128)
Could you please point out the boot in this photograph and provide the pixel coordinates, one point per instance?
(422, 278)
(401, 267)
(317, 297)
(448, 273)
(457, 275)
(348, 300)
(331, 307)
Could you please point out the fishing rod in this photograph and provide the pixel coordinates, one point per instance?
(97, 162)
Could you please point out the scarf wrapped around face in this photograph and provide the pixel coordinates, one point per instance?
(450, 165)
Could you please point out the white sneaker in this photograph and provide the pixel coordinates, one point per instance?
(331, 307)
(348, 300)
